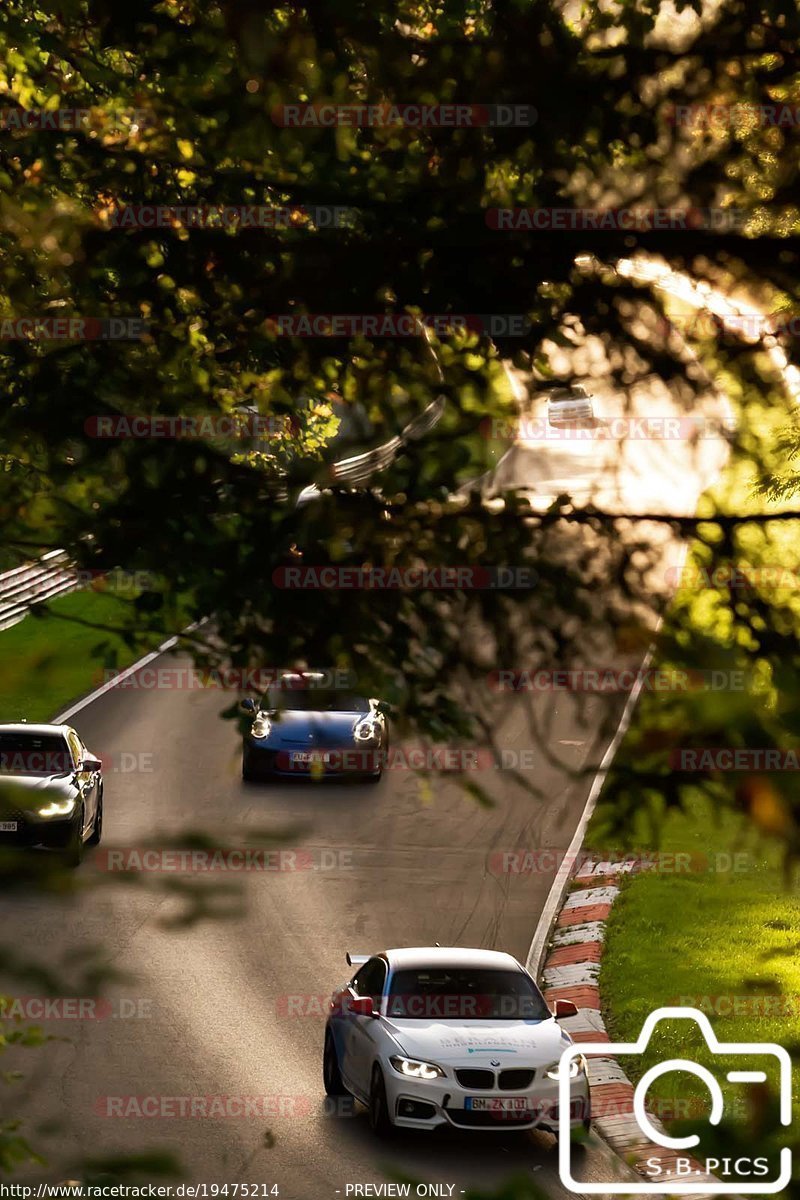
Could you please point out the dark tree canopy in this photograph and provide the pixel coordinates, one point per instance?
(183, 104)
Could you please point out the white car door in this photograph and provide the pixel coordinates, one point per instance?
(364, 1032)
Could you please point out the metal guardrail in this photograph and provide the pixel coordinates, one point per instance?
(351, 472)
(34, 583)
(52, 575)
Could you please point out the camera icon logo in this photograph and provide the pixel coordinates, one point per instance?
(750, 1175)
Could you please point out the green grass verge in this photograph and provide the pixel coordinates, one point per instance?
(716, 929)
(49, 660)
(720, 929)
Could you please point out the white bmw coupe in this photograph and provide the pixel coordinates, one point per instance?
(438, 1036)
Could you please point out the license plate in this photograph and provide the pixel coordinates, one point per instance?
(500, 1104)
(310, 756)
(8, 826)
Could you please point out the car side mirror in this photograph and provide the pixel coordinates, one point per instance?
(249, 705)
(362, 1006)
(91, 764)
(564, 1008)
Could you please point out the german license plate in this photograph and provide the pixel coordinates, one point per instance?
(311, 756)
(500, 1104)
(8, 826)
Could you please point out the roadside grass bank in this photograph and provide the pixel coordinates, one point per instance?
(719, 929)
(50, 660)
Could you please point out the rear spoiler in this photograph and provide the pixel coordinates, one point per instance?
(356, 960)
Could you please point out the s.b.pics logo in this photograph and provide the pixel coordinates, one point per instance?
(680, 1165)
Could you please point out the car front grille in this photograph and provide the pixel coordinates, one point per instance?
(473, 1078)
(8, 813)
(564, 412)
(516, 1079)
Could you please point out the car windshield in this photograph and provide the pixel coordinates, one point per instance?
(312, 699)
(34, 754)
(463, 994)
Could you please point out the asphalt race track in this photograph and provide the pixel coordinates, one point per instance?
(381, 867)
(233, 1005)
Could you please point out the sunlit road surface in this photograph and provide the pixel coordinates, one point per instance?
(652, 447)
(382, 866)
(399, 871)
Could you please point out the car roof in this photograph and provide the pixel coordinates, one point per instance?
(416, 957)
(298, 674)
(302, 679)
(36, 730)
(571, 392)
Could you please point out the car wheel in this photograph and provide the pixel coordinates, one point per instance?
(97, 827)
(384, 754)
(73, 851)
(379, 1119)
(331, 1077)
(248, 774)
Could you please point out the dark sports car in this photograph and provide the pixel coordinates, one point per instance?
(300, 730)
(51, 789)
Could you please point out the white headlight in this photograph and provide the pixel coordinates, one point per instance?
(577, 1066)
(414, 1069)
(261, 726)
(367, 730)
(58, 808)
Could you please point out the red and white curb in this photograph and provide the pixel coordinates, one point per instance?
(571, 971)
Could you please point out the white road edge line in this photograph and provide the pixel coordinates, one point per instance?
(549, 914)
(547, 919)
(112, 683)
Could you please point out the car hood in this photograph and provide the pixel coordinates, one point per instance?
(315, 728)
(481, 1043)
(62, 783)
(15, 788)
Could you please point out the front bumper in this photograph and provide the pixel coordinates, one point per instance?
(350, 762)
(432, 1104)
(54, 833)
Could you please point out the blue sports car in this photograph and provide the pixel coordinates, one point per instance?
(301, 730)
